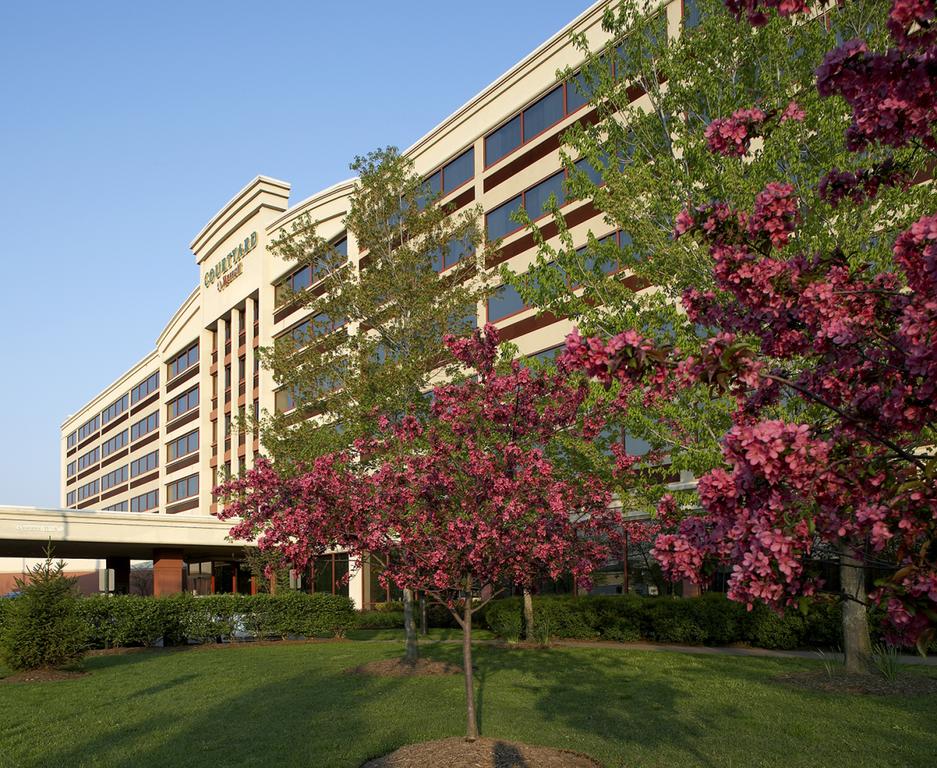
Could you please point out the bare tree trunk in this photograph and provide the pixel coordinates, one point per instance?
(471, 723)
(424, 623)
(528, 615)
(857, 646)
(409, 628)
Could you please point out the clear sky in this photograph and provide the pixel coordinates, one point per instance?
(127, 125)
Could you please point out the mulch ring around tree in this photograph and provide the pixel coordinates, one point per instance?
(401, 668)
(906, 684)
(43, 676)
(483, 753)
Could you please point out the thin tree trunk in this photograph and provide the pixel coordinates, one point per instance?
(424, 623)
(528, 615)
(471, 724)
(409, 628)
(857, 646)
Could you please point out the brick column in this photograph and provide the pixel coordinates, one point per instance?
(121, 568)
(167, 572)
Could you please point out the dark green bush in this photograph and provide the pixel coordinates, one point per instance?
(710, 619)
(41, 627)
(128, 620)
(380, 619)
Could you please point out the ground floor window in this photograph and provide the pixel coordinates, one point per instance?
(329, 574)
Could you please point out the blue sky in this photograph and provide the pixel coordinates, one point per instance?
(127, 125)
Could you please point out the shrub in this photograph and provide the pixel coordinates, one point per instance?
(710, 619)
(379, 619)
(41, 627)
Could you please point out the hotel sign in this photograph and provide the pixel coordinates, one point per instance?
(231, 266)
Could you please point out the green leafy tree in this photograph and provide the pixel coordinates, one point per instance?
(647, 157)
(42, 628)
(375, 338)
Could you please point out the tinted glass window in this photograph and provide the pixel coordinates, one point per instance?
(505, 301)
(456, 250)
(544, 113)
(503, 140)
(459, 170)
(536, 198)
(594, 174)
(499, 222)
(578, 92)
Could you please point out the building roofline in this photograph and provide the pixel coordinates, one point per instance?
(177, 315)
(228, 208)
(336, 190)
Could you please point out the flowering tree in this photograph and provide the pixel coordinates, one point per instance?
(849, 346)
(484, 492)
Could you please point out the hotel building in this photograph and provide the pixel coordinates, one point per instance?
(154, 442)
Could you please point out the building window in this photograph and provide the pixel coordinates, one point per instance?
(120, 506)
(455, 250)
(532, 121)
(146, 425)
(504, 302)
(144, 389)
(87, 490)
(182, 489)
(117, 442)
(145, 501)
(72, 439)
(307, 275)
(183, 404)
(329, 574)
(70, 498)
(70, 469)
(187, 358)
(452, 175)
(112, 479)
(89, 428)
(182, 446)
(115, 409)
(144, 464)
(89, 458)
(287, 398)
(499, 223)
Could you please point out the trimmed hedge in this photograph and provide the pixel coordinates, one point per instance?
(128, 620)
(707, 620)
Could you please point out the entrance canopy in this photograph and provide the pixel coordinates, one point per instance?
(25, 531)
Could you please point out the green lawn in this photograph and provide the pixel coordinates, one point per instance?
(293, 705)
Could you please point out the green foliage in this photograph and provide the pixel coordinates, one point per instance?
(708, 620)
(41, 627)
(129, 620)
(885, 658)
(379, 619)
(394, 305)
(653, 158)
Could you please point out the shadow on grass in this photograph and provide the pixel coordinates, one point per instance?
(296, 705)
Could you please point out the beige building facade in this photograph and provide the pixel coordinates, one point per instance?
(154, 442)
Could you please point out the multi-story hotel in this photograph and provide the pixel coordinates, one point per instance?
(154, 441)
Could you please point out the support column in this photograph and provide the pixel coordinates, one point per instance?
(167, 572)
(121, 568)
(250, 312)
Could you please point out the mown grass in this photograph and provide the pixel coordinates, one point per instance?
(295, 705)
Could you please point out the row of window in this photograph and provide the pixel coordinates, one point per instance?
(87, 490)
(306, 275)
(120, 506)
(182, 489)
(182, 446)
(89, 458)
(146, 425)
(71, 469)
(112, 479)
(145, 388)
(506, 301)
(114, 443)
(183, 403)
(89, 428)
(499, 221)
(144, 464)
(115, 409)
(183, 361)
(145, 501)
(453, 174)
